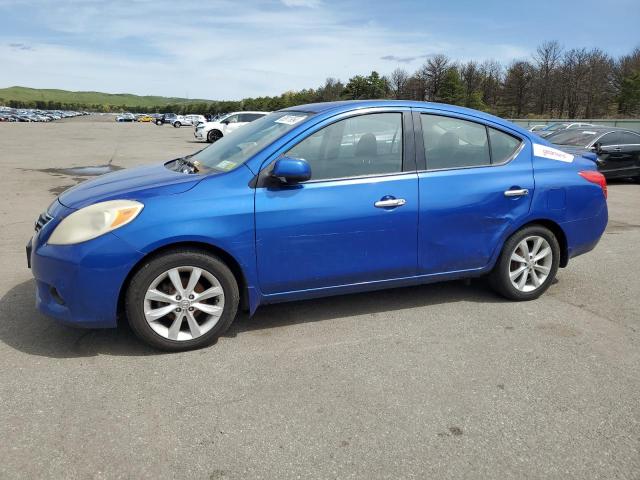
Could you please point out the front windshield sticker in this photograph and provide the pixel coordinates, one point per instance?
(226, 165)
(290, 119)
(551, 153)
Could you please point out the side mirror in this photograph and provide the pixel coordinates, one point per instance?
(225, 122)
(291, 170)
(597, 147)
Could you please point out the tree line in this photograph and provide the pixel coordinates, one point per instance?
(553, 83)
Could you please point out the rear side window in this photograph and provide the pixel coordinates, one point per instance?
(628, 138)
(503, 145)
(456, 143)
(250, 117)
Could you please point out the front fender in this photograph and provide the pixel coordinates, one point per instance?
(218, 212)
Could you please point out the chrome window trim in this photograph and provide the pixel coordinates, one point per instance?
(359, 177)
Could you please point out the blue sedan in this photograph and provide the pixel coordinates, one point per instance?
(316, 200)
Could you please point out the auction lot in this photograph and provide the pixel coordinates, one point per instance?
(439, 381)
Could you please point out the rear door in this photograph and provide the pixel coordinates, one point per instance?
(356, 220)
(476, 180)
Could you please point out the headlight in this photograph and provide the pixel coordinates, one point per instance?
(95, 220)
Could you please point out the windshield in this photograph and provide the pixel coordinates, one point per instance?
(220, 118)
(237, 147)
(574, 138)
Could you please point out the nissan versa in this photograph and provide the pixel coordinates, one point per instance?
(311, 201)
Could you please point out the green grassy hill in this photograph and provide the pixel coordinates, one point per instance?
(24, 94)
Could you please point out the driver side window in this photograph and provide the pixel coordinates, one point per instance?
(368, 144)
(232, 119)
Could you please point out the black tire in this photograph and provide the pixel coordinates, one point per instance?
(177, 124)
(499, 278)
(158, 122)
(154, 267)
(214, 136)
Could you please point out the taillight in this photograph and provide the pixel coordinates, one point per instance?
(595, 177)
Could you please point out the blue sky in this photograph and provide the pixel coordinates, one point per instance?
(233, 49)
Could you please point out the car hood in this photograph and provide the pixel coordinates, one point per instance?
(134, 183)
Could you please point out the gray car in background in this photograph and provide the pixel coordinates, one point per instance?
(558, 126)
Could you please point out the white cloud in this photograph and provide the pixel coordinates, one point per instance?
(302, 3)
(216, 51)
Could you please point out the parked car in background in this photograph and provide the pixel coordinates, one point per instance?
(214, 131)
(126, 117)
(33, 115)
(617, 150)
(315, 200)
(166, 118)
(194, 120)
(554, 127)
(536, 128)
(145, 118)
(187, 120)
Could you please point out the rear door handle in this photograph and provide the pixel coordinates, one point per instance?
(390, 203)
(516, 192)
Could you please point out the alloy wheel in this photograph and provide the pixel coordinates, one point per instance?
(214, 136)
(183, 303)
(530, 263)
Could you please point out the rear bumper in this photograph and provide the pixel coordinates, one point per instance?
(80, 284)
(583, 235)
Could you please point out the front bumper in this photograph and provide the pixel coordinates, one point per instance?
(80, 284)
(200, 134)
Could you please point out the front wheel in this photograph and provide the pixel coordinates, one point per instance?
(214, 136)
(177, 124)
(182, 300)
(527, 265)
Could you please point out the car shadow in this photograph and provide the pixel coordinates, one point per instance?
(25, 329)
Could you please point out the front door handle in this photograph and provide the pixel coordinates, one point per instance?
(516, 192)
(390, 203)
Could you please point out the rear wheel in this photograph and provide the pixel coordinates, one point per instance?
(182, 300)
(177, 124)
(527, 265)
(214, 136)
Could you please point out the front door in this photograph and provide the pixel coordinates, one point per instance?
(356, 219)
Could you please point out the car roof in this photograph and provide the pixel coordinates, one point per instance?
(248, 111)
(349, 105)
(602, 129)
